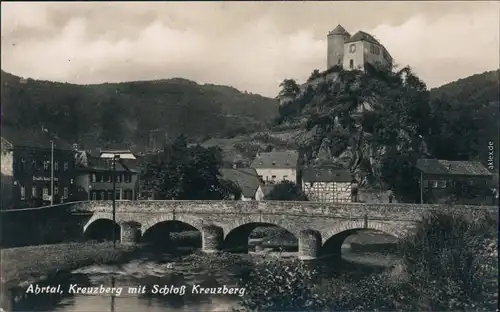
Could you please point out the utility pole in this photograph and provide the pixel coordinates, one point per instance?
(51, 172)
(114, 198)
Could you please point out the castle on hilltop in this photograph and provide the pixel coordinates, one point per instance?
(352, 52)
(349, 53)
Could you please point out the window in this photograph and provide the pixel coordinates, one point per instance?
(352, 48)
(101, 177)
(109, 178)
(23, 164)
(65, 192)
(45, 165)
(425, 183)
(442, 183)
(118, 176)
(103, 195)
(33, 164)
(94, 196)
(110, 195)
(45, 191)
(127, 178)
(56, 166)
(274, 163)
(434, 183)
(285, 177)
(93, 177)
(65, 165)
(351, 64)
(33, 191)
(273, 177)
(56, 190)
(23, 192)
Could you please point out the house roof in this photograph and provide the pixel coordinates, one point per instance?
(246, 178)
(33, 138)
(339, 30)
(104, 164)
(448, 167)
(278, 160)
(326, 175)
(362, 36)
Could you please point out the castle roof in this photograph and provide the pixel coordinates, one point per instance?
(363, 36)
(339, 30)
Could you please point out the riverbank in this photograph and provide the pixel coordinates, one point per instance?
(22, 266)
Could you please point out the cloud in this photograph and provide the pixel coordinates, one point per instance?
(237, 44)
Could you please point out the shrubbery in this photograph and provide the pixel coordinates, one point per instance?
(446, 266)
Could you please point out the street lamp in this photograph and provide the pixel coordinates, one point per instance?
(51, 172)
(115, 158)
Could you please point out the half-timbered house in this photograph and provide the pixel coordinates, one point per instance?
(328, 185)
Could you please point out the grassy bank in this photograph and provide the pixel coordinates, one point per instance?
(24, 265)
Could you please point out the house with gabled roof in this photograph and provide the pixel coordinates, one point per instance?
(247, 180)
(330, 185)
(274, 167)
(440, 178)
(94, 175)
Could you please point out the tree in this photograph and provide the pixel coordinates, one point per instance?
(182, 172)
(287, 190)
(289, 88)
(315, 74)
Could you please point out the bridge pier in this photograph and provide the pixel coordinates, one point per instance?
(309, 244)
(130, 233)
(212, 238)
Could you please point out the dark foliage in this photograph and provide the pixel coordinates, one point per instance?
(455, 122)
(100, 115)
(182, 172)
(286, 190)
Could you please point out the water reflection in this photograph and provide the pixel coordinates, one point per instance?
(166, 269)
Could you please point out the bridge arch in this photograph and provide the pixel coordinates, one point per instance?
(237, 234)
(102, 229)
(97, 216)
(335, 236)
(191, 221)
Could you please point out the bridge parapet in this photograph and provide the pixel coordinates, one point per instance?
(347, 210)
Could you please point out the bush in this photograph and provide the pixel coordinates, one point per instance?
(447, 266)
(444, 261)
(279, 286)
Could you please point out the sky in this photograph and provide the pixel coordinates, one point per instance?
(251, 46)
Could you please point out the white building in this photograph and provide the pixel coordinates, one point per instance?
(275, 167)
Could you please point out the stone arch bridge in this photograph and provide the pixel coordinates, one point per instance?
(222, 222)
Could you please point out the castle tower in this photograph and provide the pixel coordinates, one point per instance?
(335, 46)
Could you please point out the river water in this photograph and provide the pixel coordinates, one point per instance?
(186, 268)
